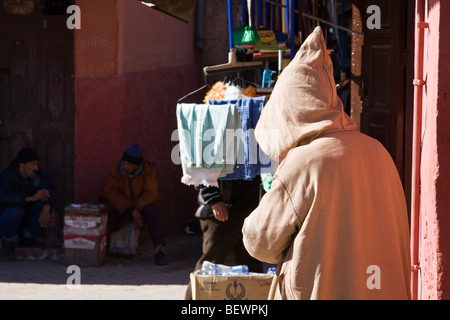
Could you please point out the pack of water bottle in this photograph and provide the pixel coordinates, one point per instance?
(213, 269)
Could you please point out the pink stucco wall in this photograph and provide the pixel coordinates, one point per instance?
(435, 173)
(132, 64)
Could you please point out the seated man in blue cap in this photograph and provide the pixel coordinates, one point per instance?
(26, 200)
(130, 194)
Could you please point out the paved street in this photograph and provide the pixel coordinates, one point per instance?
(120, 278)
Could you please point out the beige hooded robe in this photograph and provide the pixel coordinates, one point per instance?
(335, 220)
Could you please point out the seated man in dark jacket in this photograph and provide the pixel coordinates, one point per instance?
(130, 194)
(26, 200)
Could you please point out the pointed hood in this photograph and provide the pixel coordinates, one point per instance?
(304, 103)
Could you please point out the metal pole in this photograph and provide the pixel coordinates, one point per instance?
(417, 146)
(230, 24)
(292, 28)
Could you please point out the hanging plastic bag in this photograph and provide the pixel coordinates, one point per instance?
(245, 36)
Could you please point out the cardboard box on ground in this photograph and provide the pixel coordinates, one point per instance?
(85, 238)
(85, 234)
(248, 287)
(221, 282)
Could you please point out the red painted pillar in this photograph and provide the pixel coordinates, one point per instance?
(435, 155)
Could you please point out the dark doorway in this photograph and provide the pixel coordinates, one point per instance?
(386, 106)
(36, 88)
(383, 69)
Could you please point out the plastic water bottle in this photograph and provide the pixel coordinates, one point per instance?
(51, 232)
(240, 270)
(220, 270)
(214, 270)
(272, 271)
(205, 268)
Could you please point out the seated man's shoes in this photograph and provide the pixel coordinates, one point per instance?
(160, 258)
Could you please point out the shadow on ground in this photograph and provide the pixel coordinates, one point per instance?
(182, 251)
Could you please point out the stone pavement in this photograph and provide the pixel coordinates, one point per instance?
(120, 278)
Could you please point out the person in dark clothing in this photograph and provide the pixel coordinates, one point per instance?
(26, 200)
(230, 204)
